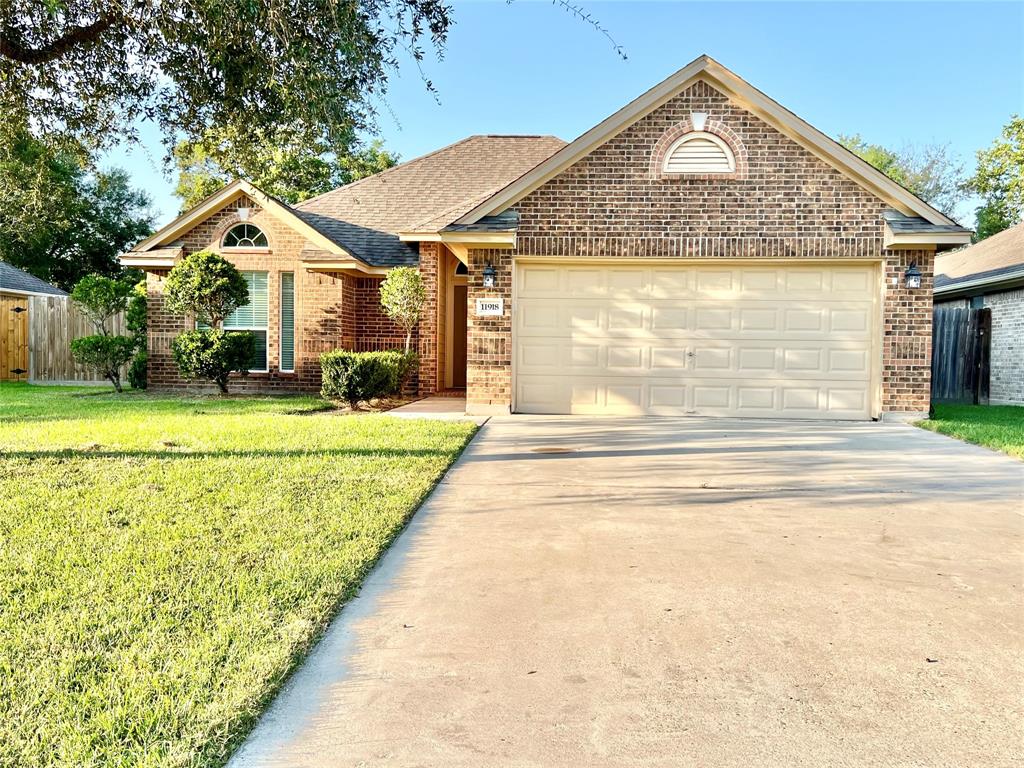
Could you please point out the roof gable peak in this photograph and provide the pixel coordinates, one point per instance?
(744, 95)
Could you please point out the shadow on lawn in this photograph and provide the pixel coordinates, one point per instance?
(184, 453)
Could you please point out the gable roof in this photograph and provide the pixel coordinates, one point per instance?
(995, 260)
(430, 192)
(362, 220)
(226, 194)
(706, 68)
(16, 280)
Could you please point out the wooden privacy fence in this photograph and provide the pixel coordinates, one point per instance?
(961, 339)
(53, 321)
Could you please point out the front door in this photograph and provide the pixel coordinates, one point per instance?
(459, 337)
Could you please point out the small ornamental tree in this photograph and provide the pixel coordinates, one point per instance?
(106, 354)
(402, 296)
(99, 299)
(209, 287)
(205, 285)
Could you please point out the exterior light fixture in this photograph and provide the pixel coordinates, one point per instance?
(489, 274)
(913, 276)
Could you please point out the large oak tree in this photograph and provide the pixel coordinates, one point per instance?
(90, 68)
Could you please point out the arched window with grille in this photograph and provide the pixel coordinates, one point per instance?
(244, 235)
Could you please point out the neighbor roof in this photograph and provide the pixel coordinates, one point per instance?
(707, 69)
(19, 281)
(996, 259)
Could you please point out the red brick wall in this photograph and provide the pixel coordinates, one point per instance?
(333, 310)
(783, 202)
(325, 306)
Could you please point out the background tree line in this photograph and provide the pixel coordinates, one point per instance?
(278, 93)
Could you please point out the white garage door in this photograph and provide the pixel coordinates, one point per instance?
(766, 340)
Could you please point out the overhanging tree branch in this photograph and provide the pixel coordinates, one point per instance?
(85, 34)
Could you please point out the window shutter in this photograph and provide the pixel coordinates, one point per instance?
(287, 321)
(698, 153)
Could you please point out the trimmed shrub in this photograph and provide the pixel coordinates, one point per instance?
(138, 369)
(213, 354)
(359, 376)
(206, 285)
(107, 354)
(138, 322)
(100, 298)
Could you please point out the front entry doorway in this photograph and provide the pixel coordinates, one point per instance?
(459, 336)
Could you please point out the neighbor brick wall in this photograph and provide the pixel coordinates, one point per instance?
(782, 203)
(1006, 381)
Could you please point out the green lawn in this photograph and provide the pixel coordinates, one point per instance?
(1000, 427)
(165, 562)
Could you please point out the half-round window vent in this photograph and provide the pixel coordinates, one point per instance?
(699, 152)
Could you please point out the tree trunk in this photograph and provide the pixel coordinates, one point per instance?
(408, 340)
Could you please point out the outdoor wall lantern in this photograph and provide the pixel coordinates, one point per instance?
(489, 275)
(913, 276)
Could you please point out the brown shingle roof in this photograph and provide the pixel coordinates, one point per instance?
(994, 256)
(425, 194)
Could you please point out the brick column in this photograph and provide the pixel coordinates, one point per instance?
(907, 339)
(489, 346)
(430, 266)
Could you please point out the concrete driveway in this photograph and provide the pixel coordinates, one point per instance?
(619, 592)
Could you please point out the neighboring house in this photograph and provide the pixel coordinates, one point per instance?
(16, 288)
(991, 274)
(701, 251)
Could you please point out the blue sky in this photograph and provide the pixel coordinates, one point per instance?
(897, 73)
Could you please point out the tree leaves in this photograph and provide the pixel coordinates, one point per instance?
(90, 69)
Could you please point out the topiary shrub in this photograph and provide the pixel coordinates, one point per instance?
(107, 354)
(100, 298)
(210, 353)
(360, 376)
(206, 285)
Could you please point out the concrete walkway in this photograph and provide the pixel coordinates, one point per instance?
(440, 408)
(626, 592)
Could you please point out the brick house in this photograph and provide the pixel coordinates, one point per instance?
(701, 251)
(990, 275)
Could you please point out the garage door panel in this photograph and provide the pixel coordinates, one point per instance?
(764, 341)
(699, 358)
(740, 319)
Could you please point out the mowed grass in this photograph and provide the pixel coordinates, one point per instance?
(1000, 427)
(164, 562)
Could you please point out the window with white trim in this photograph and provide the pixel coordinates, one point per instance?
(699, 152)
(253, 317)
(244, 236)
(288, 321)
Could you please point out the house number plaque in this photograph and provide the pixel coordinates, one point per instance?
(490, 307)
